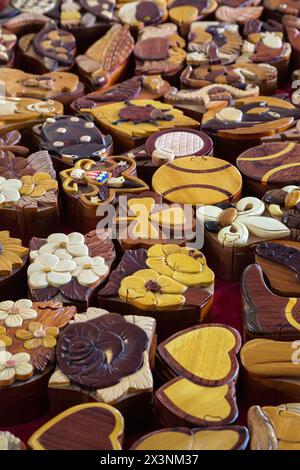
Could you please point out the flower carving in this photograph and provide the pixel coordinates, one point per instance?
(14, 313)
(235, 224)
(37, 185)
(63, 246)
(4, 339)
(11, 252)
(98, 353)
(49, 270)
(9, 190)
(14, 367)
(38, 335)
(89, 270)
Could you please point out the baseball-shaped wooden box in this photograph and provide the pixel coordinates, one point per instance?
(69, 268)
(13, 265)
(231, 233)
(198, 180)
(246, 123)
(71, 138)
(268, 314)
(28, 333)
(270, 166)
(165, 146)
(217, 438)
(89, 187)
(170, 283)
(28, 195)
(200, 368)
(143, 221)
(107, 358)
(91, 426)
(131, 123)
(271, 374)
(274, 427)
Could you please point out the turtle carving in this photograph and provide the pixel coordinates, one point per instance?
(139, 114)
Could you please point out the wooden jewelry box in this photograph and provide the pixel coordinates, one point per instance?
(170, 283)
(69, 268)
(241, 14)
(200, 368)
(139, 14)
(232, 231)
(90, 186)
(107, 358)
(28, 332)
(185, 13)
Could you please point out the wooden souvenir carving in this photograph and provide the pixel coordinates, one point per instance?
(139, 14)
(111, 364)
(105, 61)
(159, 50)
(231, 233)
(254, 30)
(10, 442)
(90, 426)
(28, 332)
(89, 186)
(143, 221)
(200, 388)
(290, 7)
(71, 138)
(238, 15)
(28, 195)
(279, 262)
(186, 12)
(13, 261)
(49, 50)
(60, 86)
(283, 204)
(150, 87)
(25, 23)
(165, 146)
(10, 143)
(213, 43)
(222, 438)
(263, 76)
(201, 180)
(8, 43)
(271, 372)
(270, 166)
(150, 282)
(131, 122)
(267, 314)
(69, 267)
(20, 113)
(37, 6)
(246, 122)
(274, 428)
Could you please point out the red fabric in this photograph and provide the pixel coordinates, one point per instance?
(226, 309)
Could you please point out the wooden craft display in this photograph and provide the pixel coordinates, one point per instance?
(28, 195)
(246, 122)
(270, 166)
(89, 186)
(10, 442)
(51, 49)
(60, 86)
(8, 42)
(168, 145)
(184, 13)
(198, 180)
(270, 372)
(263, 76)
(159, 50)
(13, 263)
(268, 314)
(232, 231)
(219, 438)
(122, 377)
(240, 15)
(150, 87)
(131, 122)
(28, 332)
(170, 283)
(70, 139)
(143, 221)
(21, 113)
(105, 62)
(255, 30)
(90, 426)
(201, 368)
(138, 14)
(69, 267)
(274, 427)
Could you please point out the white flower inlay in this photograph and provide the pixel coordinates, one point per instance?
(14, 313)
(48, 270)
(13, 367)
(63, 246)
(89, 270)
(9, 190)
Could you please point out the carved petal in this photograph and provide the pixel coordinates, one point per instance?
(265, 227)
